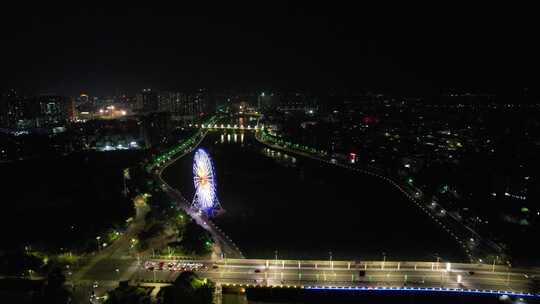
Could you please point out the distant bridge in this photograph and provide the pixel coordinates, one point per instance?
(230, 127)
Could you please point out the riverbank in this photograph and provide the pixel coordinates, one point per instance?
(307, 209)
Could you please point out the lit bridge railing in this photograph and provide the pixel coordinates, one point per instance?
(372, 275)
(229, 127)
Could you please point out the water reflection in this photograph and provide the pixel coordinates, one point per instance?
(280, 157)
(235, 138)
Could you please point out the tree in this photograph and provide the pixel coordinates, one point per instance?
(18, 263)
(140, 181)
(125, 294)
(188, 288)
(196, 240)
(152, 230)
(55, 291)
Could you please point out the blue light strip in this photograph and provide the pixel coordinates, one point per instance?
(428, 289)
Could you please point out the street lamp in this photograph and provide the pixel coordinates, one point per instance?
(331, 263)
(384, 260)
(508, 273)
(98, 245)
(494, 261)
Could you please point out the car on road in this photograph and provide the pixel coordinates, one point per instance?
(257, 270)
(471, 272)
(215, 266)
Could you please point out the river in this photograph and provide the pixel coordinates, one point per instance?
(302, 208)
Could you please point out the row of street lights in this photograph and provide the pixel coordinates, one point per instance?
(448, 265)
(99, 245)
(331, 258)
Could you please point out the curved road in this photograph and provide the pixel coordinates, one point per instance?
(456, 230)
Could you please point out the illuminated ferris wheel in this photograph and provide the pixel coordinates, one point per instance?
(204, 179)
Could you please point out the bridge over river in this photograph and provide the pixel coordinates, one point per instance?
(359, 275)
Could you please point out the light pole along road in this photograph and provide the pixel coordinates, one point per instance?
(357, 274)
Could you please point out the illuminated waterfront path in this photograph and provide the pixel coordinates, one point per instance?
(474, 246)
(224, 244)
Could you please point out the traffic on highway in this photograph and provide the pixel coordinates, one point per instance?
(347, 274)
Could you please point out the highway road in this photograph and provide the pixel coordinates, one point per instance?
(440, 276)
(111, 264)
(345, 274)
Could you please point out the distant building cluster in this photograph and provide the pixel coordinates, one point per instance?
(183, 106)
(286, 101)
(50, 123)
(22, 112)
(473, 154)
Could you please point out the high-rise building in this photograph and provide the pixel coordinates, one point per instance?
(149, 101)
(298, 101)
(155, 127)
(177, 102)
(52, 110)
(84, 98)
(266, 100)
(198, 102)
(137, 104)
(174, 102)
(164, 102)
(184, 104)
(12, 109)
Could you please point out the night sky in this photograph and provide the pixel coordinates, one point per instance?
(413, 50)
